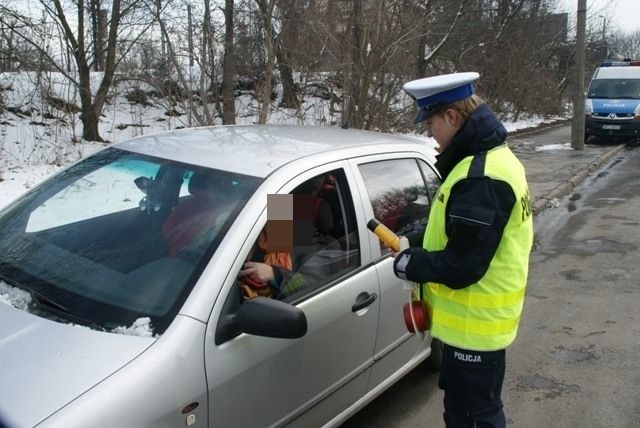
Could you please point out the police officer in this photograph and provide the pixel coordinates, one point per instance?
(474, 262)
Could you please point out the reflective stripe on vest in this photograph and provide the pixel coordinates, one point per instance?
(485, 315)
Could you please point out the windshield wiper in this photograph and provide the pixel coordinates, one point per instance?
(40, 298)
(62, 312)
(46, 303)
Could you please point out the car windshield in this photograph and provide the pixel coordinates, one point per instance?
(615, 88)
(118, 237)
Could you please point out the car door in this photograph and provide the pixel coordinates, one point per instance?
(262, 381)
(398, 192)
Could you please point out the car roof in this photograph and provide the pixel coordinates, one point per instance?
(259, 150)
(630, 72)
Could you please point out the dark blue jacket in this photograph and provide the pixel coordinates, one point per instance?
(471, 244)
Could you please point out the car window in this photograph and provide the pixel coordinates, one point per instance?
(430, 177)
(120, 236)
(399, 196)
(310, 239)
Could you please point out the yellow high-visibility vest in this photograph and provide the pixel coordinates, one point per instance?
(483, 316)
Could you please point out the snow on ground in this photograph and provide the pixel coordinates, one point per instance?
(565, 146)
(33, 147)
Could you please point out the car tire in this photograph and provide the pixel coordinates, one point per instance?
(434, 362)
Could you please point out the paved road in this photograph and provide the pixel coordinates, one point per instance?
(553, 168)
(575, 360)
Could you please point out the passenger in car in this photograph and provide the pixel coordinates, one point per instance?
(193, 214)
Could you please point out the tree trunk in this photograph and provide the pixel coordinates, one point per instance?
(88, 116)
(266, 9)
(228, 67)
(354, 119)
(90, 131)
(208, 62)
(94, 8)
(421, 63)
(289, 96)
(102, 36)
(90, 126)
(91, 109)
(284, 43)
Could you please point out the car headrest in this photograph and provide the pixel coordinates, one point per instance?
(201, 184)
(323, 216)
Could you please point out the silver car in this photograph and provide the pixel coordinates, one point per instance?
(123, 304)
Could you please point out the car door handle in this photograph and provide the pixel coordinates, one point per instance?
(363, 300)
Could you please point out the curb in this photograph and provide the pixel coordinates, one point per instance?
(563, 189)
(541, 127)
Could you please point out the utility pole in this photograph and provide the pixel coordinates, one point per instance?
(577, 125)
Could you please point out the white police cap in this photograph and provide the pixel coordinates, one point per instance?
(431, 93)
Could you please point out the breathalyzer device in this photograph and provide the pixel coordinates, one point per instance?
(415, 313)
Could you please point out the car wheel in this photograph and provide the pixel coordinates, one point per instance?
(590, 140)
(635, 142)
(434, 362)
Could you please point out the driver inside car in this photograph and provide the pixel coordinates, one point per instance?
(261, 270)
(295, 232)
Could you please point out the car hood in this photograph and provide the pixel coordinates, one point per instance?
(45, 364)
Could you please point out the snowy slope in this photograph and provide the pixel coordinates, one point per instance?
(38, 139)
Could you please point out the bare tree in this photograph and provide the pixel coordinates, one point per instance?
(286, 41)
(91, 107)
(359, 52)
(75, 40)
(373, 44)
(266, 8)
(208, 69)
(228, 103)
(21, 38)
(98, 32)
(625, 45)
(175, 35)
(520, 49)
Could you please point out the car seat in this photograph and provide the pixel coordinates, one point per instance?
(322, 215)
(193, 214)
(310, 204)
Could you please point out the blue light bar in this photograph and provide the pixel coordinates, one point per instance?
(619, 62)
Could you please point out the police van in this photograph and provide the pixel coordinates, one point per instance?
(612, 107)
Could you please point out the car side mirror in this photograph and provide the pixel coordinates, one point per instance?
(263, 316)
